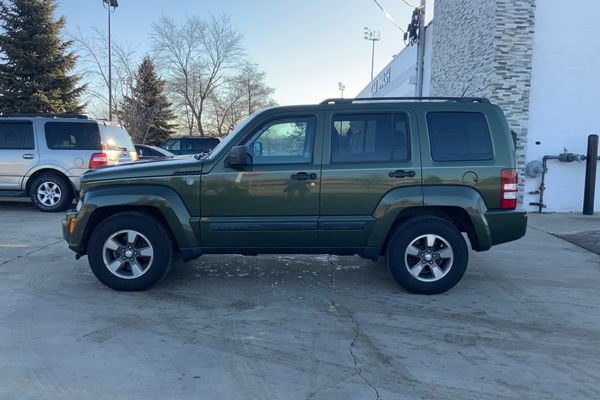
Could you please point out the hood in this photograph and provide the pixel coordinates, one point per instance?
(143, 169)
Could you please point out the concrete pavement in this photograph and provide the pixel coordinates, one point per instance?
(523, 323)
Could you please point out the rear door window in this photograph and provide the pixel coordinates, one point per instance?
(16, 136)
(370, 138)
(459, 136)
(72, 136)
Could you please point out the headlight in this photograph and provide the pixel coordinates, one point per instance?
(79, 204)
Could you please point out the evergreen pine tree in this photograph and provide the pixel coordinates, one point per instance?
(34, 61)
(147, 113)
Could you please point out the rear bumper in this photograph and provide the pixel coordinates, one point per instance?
(506, 225)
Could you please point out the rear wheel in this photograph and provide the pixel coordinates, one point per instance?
(427, 255)
(51, 193)
(130, 251)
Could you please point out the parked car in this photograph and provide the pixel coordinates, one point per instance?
(398, 178)
(147, 152)
(190, 144)
(43, 156)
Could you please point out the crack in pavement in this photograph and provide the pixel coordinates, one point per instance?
(31, 252)
(355, 329)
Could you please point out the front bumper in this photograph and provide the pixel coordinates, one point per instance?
(68, 226)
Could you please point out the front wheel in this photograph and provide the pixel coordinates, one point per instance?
(427, 255)
(130, 251)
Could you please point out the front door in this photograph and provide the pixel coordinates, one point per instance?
(366, 154)
(18, 153)
(273, 203)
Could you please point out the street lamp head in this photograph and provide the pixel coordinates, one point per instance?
(111, 3)
(372, 35)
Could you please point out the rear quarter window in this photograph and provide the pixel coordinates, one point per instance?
(115, 137)
(72, 136)
(459, 136)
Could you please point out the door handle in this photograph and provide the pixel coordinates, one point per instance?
(28, 156)
(400, 173)
(303, 176)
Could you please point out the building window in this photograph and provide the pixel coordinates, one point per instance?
(72, 136)
(16, 136)
(370, 138)
(459, 136)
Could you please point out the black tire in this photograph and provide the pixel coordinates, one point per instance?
(449, 265)
(60, 185)
(150, 230)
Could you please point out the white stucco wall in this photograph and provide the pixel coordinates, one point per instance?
(565, 98)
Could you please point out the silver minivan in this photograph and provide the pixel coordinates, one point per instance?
(43, 156)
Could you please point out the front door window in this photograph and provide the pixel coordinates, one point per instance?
(284, 141)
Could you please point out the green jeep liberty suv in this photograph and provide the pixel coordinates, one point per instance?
(398, 177)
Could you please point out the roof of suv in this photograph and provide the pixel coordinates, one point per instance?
(45, 115)
(61, 118)
(374, 102)
(405, 99)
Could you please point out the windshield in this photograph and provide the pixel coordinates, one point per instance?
(231, 135)
(115, 137)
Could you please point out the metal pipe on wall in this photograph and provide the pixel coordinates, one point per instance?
(591, 161)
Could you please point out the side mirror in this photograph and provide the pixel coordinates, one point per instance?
(238, 157)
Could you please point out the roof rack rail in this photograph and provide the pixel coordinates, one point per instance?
(455, 99)
(44, 115)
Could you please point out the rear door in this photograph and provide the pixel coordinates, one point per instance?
(366, 154)
(18, 153)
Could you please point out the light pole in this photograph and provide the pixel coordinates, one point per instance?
(373, 36)
(108, 4)
(341, 88)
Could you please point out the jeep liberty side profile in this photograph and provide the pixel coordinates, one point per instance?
(402, 178)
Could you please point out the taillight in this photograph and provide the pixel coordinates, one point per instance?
(98, 160)
(509, 189)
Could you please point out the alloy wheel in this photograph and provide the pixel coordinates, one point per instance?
(49, 194)
(127, 254)
(429, 258)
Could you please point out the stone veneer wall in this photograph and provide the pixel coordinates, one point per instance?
(484, 48)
